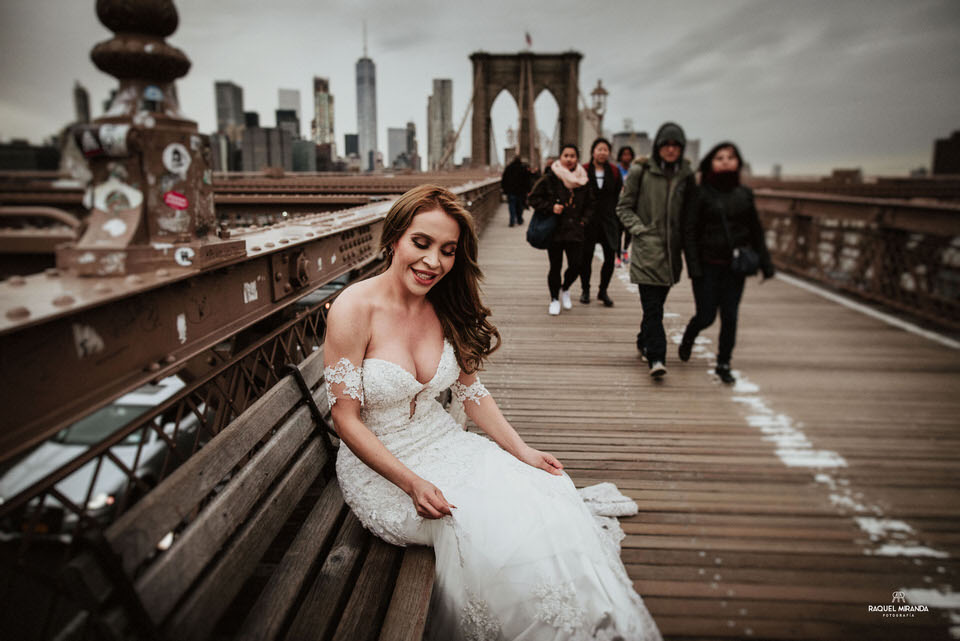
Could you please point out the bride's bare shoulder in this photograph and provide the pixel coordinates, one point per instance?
(353, 308)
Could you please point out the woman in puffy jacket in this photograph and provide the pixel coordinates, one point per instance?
(724, 221)
(563, 190)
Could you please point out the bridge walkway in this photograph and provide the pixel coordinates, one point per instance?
(779, 508)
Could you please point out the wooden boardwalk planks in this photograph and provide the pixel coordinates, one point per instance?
(732, 541)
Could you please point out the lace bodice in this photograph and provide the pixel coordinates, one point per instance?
(390, 396)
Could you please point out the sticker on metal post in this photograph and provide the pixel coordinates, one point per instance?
(153, 92)
(175, 200)
(176, 158)
(249, 292)
(87, 341)
(89, 144)
(113, 139)
(184, 256)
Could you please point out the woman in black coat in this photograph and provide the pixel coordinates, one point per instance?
(724, 220)
(563, 190)
(605, 182)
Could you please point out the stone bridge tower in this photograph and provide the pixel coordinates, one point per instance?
(524, 75)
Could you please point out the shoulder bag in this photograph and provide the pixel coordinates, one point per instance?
(744, 259)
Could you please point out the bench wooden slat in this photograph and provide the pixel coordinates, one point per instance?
(312, 368)
(317, 615)
(366, 608)
(171, 575)
(406, 617)
(267, 616)
(196, 617)
(135, 534)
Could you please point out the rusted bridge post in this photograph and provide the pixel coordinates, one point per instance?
(151, 198)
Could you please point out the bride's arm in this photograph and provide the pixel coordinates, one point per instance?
(483, 410)
(346, 340)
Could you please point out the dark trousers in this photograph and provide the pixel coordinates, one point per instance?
(718, 288)
(556, 252)
(586, 262)
(515, 205)
(652, 337)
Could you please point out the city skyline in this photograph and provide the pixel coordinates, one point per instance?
(809, 86)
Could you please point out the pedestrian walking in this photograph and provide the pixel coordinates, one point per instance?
(656, 196)
(563, 191)
(515, 183)
(723, 244)
(625, 158)
(604, 181)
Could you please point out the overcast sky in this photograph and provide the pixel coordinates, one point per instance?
(811, 85)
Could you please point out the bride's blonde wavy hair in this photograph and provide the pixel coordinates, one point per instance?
(456, 297)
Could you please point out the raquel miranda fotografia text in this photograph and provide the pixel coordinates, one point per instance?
(893, 611)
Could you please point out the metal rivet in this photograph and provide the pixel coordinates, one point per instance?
(269, 245)
(284, 241)
(52, 272)
(16, 281)
(63, 301)
(134, 279)
(279, 277)
(309, 234)
(255, 248)
(18, 313)
(153, 367)
(170, 358)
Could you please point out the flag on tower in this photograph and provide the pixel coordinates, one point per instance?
(529, 39)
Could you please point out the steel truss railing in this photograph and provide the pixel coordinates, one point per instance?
(224, 381)
(902, 254)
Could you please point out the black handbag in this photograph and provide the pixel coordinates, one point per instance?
(744, 259)
(541, 227)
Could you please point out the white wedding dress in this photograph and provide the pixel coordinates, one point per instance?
(522, 558)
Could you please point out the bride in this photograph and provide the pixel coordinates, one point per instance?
(518, 554)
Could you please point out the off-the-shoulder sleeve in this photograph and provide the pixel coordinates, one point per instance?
(347, 378)
(473, 392)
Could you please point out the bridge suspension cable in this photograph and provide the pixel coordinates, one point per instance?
(452, 143)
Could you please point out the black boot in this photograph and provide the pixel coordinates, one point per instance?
(686, 345)
(602, 295)
(640, 347)
(723, 371)
(585, 297)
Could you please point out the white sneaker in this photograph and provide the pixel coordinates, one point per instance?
(565, 299)
(657, 369)
(554, 307)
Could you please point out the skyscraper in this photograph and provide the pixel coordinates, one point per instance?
(81, 103)
(287, 120)
(229, 110)
(321, 129)
(413, 153)
(397, 147)
(367, 108)
(439, 122)
(289, 99)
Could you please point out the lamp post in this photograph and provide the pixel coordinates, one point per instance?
(599, 95)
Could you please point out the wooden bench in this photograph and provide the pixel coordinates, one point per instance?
(225, 507)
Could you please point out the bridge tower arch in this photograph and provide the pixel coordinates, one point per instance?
(524, 75)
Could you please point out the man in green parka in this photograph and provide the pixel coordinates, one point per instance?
(657, 193)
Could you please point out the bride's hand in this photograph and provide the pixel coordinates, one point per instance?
(543, 460)
(428, 500)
